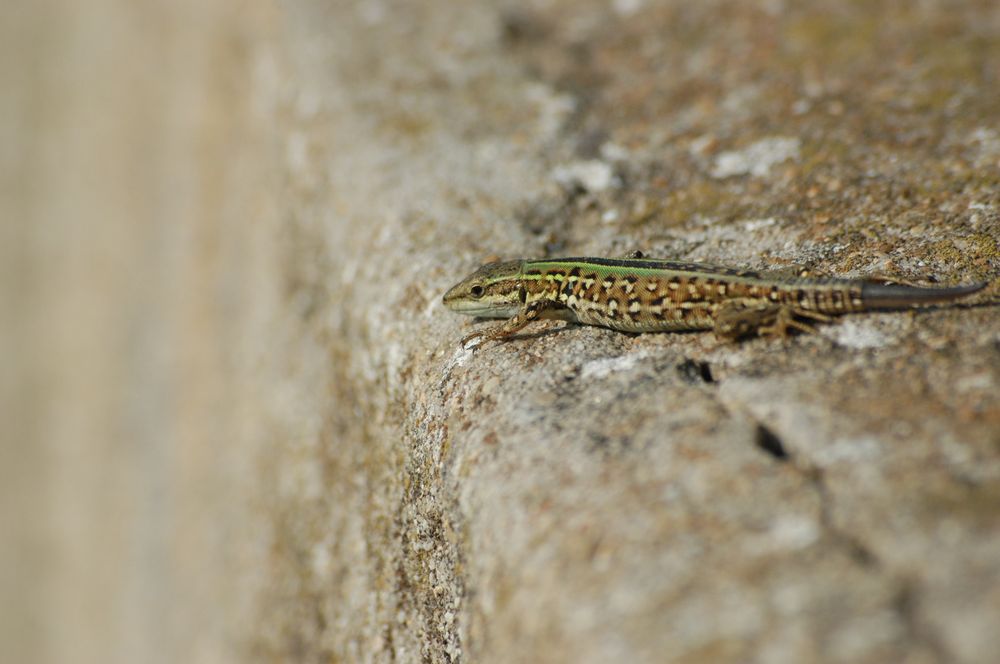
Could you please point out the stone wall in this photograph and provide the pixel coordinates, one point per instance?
(245, 428)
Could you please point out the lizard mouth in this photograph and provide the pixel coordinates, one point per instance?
(466, 307)
(473, 308)
(456, 300)
(460, 303)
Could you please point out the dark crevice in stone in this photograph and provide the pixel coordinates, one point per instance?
(694, 371)
(769, 441)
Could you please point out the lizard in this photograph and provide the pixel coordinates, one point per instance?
(640, 294)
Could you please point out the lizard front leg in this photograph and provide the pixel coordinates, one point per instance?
(531, 311)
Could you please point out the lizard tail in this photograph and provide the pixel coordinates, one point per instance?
(895, 296)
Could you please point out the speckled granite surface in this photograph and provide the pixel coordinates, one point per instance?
(582, 495)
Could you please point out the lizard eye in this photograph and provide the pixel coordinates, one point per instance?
(476, 291)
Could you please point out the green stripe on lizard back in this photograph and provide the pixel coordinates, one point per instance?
(644, 295)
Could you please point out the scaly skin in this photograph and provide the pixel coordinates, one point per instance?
(637, 294)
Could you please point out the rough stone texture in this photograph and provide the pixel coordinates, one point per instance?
(576, 494)
(582, 495)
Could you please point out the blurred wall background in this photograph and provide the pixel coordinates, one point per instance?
(136, 213)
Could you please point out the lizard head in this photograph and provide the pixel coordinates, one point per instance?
(493, 291)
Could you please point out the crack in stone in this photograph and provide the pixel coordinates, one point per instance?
(769, 442)
(858, 550)
(906, 603)
(907, 599)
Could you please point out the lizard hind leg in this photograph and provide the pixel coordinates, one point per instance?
(735, 321)
(788, 319)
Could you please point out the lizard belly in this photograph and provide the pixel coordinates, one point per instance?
(666, 320)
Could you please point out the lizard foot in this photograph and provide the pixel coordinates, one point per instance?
(735, 322)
